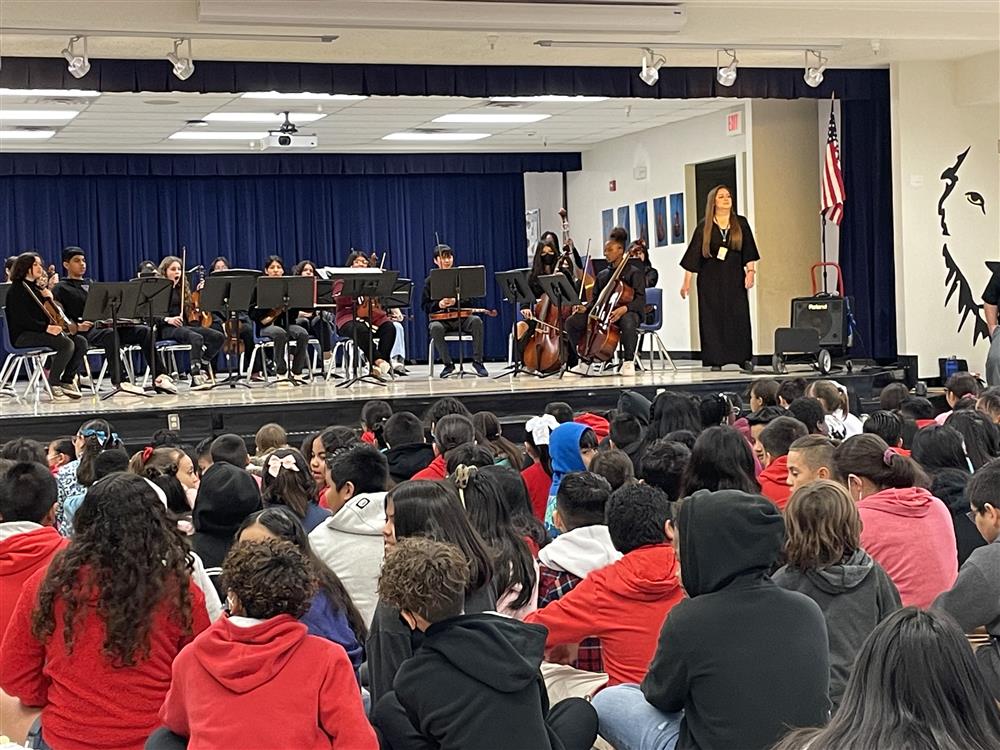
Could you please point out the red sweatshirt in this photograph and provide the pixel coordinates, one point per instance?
(910, 533)
(436, 469)
(774, 482)
(623, 604)
(87, 703)
(269, 684)
(21, 555)
(538, 483)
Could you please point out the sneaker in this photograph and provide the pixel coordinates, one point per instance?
(132, 388)
(628, 370)
(747, 366)
(383, 369)
(199, 381)
(164, 384)
(480, 370)
(70, 390)
(284, 381)
(447, 370)
(83, 381)
(399, 368)
(58, 394)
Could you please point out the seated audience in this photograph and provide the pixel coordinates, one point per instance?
(229, 683)
(672, 411)
(60, 453)
(506, 453)
(538, 476)
(230, 449)
(374, 415)
(914, 684)
(476, 678)
(628, 435)
(791, 389)
(741, 659)
(809, 411)
(825, 561)
(84, 636)
(315, 449)
(73, 478)
(662, 466)
(757, 421)
(268, 438)
(562, 411)
(515, 496)
(974, 599)
(981, 436)
(840, 422)
(810, 458)
(775, 440)
(905, 528)
(625, 603)
(287, 481)
(714, 410)
(615, 466)
(572, 446)
(888, 426)
(892, 396)
(763, 392)
(406, 452)
(919, 409)
(961, 391)
(988, 403)
(22, 450)
(350, 542)
(720, 460)
(449, 432)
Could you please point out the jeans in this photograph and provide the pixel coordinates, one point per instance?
(472, 325)
(629, 722)
(993, 360)
(66, 362)
(399, 348)
(280, 337)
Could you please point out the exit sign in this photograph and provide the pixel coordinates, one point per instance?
(734, 123)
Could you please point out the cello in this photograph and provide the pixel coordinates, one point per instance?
(544, 351)
(601, 339)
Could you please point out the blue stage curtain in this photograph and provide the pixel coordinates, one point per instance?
(120, 221)
(866, 237)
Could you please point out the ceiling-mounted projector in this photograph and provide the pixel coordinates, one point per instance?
(287, 136)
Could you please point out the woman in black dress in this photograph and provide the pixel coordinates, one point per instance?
(726, 264)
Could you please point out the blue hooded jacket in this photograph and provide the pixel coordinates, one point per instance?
(325, 621)
(564, 451)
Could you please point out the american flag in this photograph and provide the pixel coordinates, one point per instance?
(832, 204)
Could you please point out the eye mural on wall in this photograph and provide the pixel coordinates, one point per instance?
(956, 281)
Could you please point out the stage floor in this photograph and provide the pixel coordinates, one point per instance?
(310, 407)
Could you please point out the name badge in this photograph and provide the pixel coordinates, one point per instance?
(723, 252)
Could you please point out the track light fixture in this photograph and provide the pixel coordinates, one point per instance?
(726, 75)
(183, 66)
(651, 64)
(78, 64)
(814, 73)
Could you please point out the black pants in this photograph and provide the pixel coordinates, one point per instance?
(628, 324)
(104, 338)
(472, 325)
(572, 721)
(280, 337)
(320, 327)
(362, 336)
(205, 343)
(70, 351)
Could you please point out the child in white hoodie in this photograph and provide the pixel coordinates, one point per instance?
(584, 545)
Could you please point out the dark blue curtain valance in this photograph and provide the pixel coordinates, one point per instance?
(252, 165)
(477, 81)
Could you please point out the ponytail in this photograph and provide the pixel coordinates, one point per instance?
(869, 456)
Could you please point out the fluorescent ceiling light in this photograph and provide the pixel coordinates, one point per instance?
(266, 117)
(435, 136)
(26, 135)
(548, 98)
(218, 135)
(305, 95)
(50, 92)
(38, 114)
(500, 119)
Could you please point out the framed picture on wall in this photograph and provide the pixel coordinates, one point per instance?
(623, 221)
(607, 221)
(642, 222)
(677, 234)
(532, 225)
(660, 221)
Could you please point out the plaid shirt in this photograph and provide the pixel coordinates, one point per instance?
(554, 584)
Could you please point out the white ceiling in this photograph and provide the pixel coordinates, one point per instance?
(143, 122)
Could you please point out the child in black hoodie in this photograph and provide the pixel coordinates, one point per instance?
(474, 683)
(742, 659)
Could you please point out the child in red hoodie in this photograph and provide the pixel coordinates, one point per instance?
(775, 440)
(625, 603)
(259, 666)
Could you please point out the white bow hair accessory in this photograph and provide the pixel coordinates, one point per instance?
(275, 464)
(541, 427)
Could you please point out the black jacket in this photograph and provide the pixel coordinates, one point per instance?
(72, 295)
(744, 658)
(476, 680)
(634, 274)
(23, 313)
(406, 460)
(948, 485)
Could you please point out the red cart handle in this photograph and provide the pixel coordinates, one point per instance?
(836, 267)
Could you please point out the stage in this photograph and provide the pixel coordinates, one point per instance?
(308, 408)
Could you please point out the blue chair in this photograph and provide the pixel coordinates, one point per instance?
(31, 358)
(169, 347)
(654, 297)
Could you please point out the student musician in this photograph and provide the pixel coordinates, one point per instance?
(245, 325)
(626, 317)
(361, 330)
(276, 325)
(317, 322)
(71, 292)
(205, 343)
(545, 262)
(473, 325)
(30, 325)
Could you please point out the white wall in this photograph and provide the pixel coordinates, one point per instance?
(664, 152)
(543, 191)
(939, 110)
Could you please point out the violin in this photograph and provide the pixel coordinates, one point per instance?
(53, 310)
(601, 339)
(191, 301)
(372, 308)
(465, 312)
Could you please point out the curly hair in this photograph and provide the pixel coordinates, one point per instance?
(128, 552)
(271, 577)
(425, 577)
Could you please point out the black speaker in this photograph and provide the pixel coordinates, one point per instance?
(825, 315)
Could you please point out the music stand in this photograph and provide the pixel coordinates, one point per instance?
(286, 292)
(515, 289)
(229, 293)
(152, 302)
(454, 282)
(560, 291)
(112, 300)
(371, 284)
